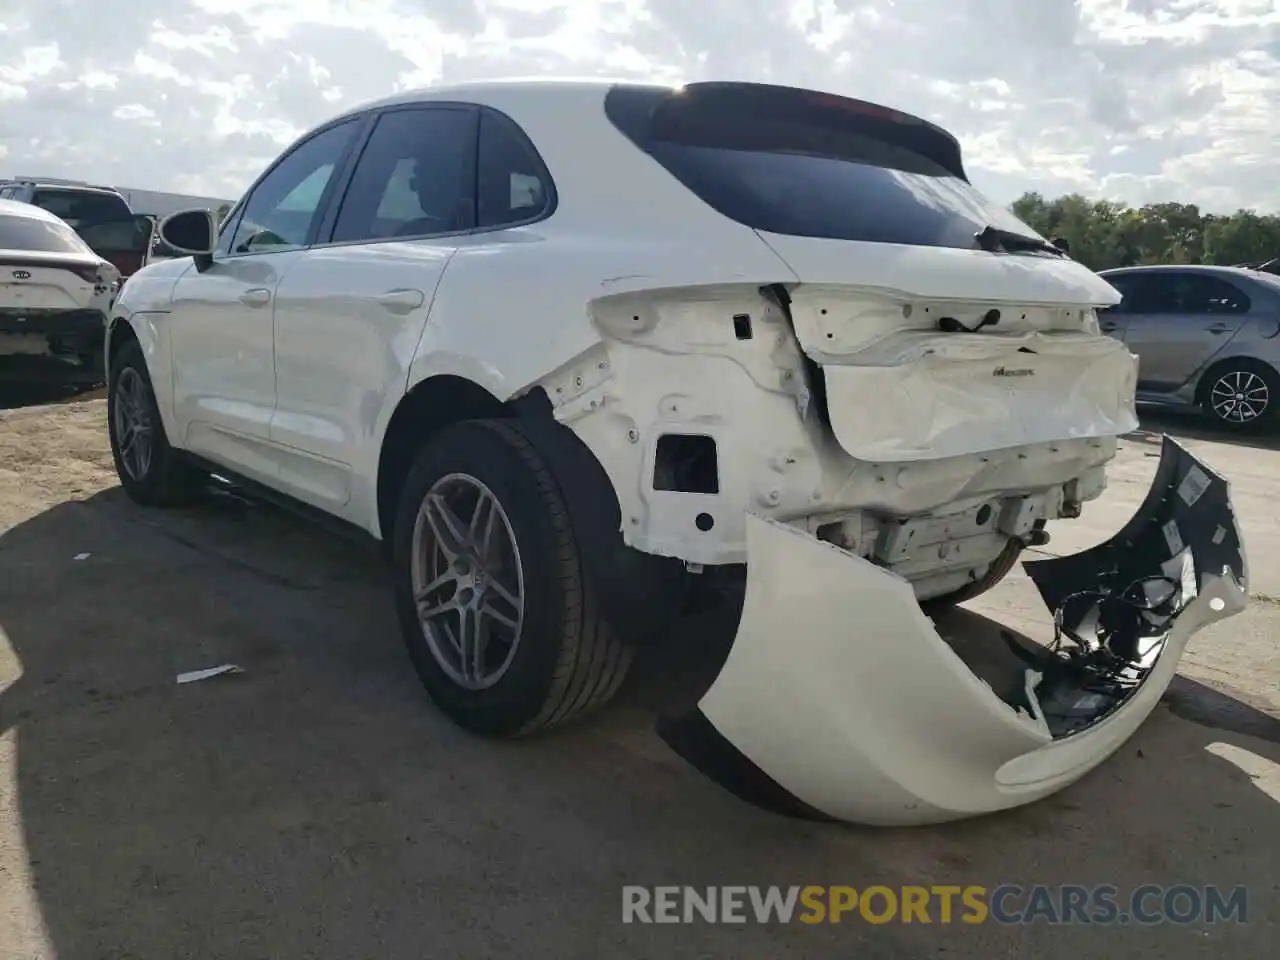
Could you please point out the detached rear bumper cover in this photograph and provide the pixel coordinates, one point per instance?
(865, 714)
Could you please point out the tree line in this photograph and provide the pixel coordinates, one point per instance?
(1104, 234)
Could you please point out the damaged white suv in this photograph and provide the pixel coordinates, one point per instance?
(573, 349)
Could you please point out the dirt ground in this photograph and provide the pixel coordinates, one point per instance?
(317, 806)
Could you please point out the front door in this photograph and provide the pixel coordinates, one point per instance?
(224, 378)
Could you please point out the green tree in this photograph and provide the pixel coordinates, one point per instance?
(1106, 234)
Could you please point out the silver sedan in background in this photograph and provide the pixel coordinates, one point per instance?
(1206, 338)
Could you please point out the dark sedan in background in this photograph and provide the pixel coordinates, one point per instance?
(1206, 338)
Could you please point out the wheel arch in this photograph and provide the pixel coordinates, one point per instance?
(145, 330)
(626, 582)
(427, 408)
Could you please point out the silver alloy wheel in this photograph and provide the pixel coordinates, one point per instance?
(467, 581)
(1240, 396)
(132, 416)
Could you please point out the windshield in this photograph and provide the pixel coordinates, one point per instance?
(81, 206)
(43, 236)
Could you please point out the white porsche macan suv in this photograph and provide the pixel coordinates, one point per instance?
(572, 350)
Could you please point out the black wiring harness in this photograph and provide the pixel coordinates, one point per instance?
(1107, 663)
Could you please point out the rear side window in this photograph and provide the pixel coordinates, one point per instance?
(512, 185)
(24, 233)
(1199, 293)
(807, 164)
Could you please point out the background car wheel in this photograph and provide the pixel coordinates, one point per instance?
(151, 472)
(1241, 395)
(494, 608)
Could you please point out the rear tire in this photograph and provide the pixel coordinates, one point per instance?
(1241, 396)
(152, 473)
(560, 660)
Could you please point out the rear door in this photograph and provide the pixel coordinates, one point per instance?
(1178, 322)
(349, 312)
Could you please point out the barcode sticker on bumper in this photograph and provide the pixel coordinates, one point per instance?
(1193, 486)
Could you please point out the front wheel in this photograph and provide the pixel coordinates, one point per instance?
(150, 470)
(1241, 395)
(499, 621)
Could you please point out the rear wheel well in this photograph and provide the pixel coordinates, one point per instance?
(430, 406)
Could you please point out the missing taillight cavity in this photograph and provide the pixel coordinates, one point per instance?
(87, 274)
(686, 463)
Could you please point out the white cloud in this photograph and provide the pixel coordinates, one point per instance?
(1133, 99)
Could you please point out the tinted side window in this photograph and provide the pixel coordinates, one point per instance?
(414, 178)
(283, 207)
(1207, 295)
(512, 184)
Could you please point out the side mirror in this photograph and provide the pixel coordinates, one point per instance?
(191, 233)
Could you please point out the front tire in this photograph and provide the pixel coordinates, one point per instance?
(150, 470)
(1241, 395)
(494, 607)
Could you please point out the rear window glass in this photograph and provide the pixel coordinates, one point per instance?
(804, 164)
(24, 233)
(81, 207)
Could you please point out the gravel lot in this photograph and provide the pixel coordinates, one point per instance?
(316, 806)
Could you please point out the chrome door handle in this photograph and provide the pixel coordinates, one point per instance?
(257, 297)
(402, 301)
(1220, 328)
(1108, 327)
